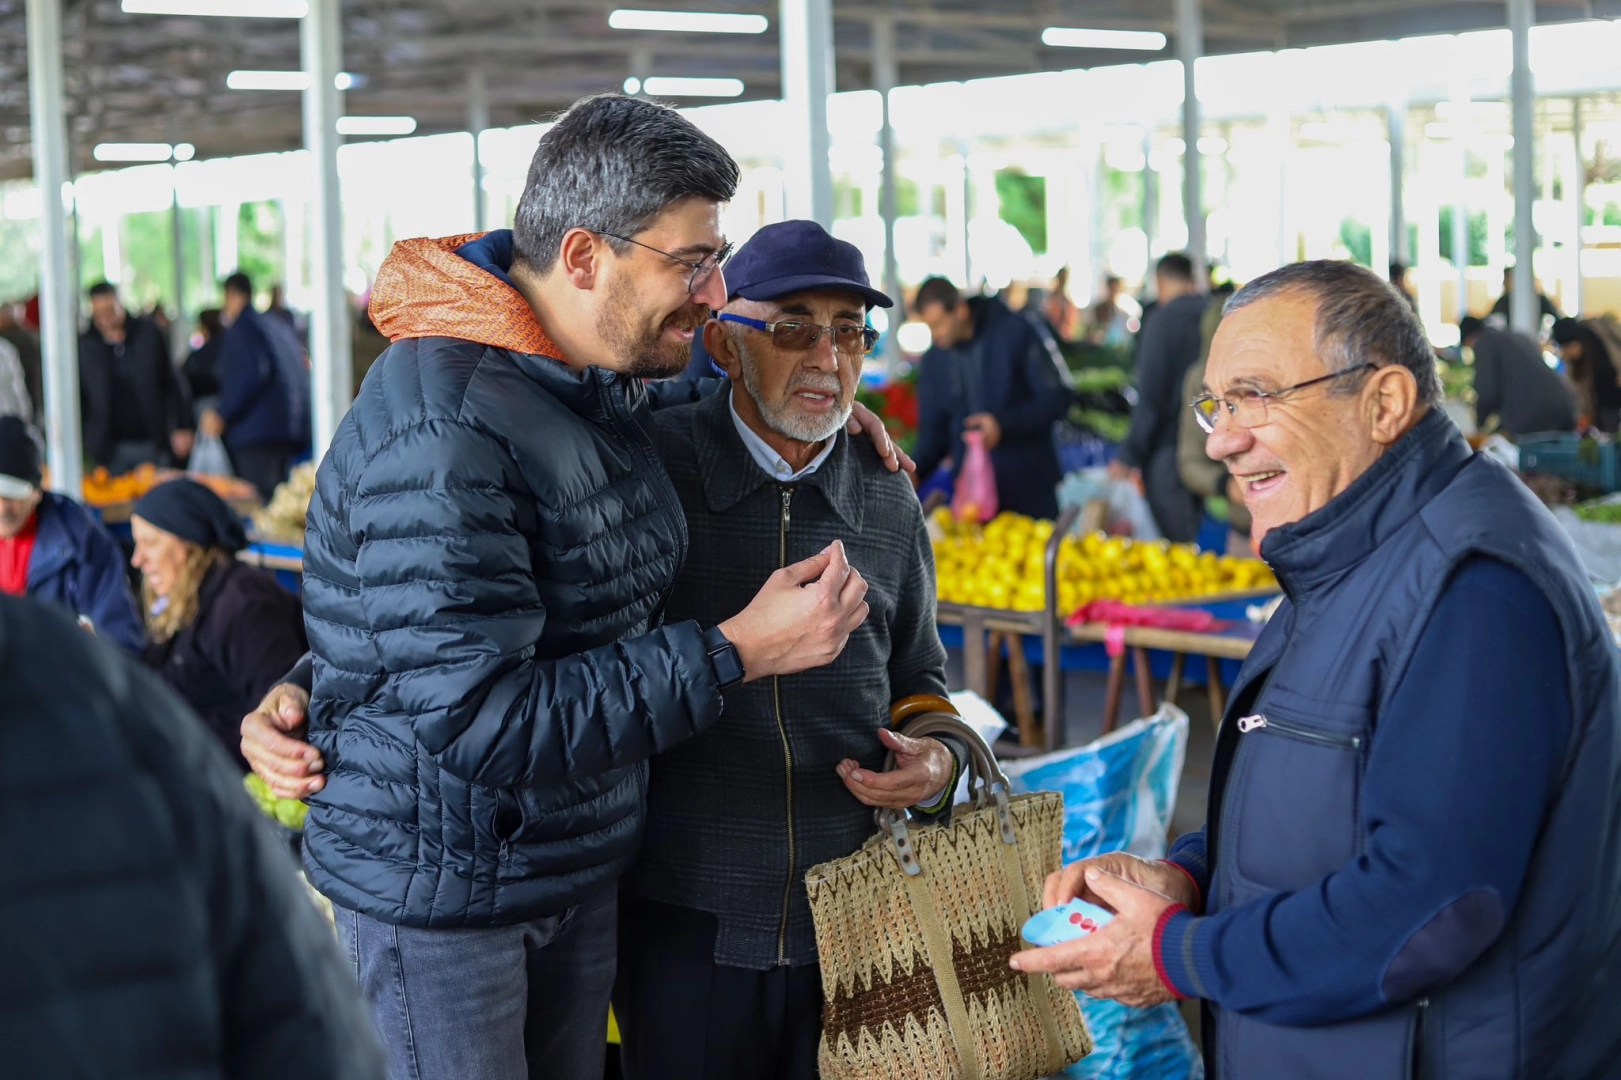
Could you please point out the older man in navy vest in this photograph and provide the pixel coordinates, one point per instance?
(1412, 861)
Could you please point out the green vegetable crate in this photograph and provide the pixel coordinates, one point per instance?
(1583, 460)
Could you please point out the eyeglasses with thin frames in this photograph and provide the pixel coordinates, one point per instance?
(702, 270)
(1247, 408)
(796, 335)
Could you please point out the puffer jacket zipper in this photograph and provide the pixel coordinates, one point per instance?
(617, 393)
(787, 748)
(1260, 722)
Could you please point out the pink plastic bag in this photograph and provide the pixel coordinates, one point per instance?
(975, 496)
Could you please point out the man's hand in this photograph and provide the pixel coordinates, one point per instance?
(801, 617)
(273, 742)
(922, 769)
(211, 424)
(1116, 962)
(1119, 470)
(1162, 877)
(864, 420)
(989, 428)
(180, 442)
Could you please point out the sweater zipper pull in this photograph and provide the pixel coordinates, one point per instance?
(1247, 724)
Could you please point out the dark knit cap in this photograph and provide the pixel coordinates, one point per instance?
(19, 454)
(194, 513)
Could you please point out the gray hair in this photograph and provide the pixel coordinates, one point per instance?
(1361, 319)
(612, 164)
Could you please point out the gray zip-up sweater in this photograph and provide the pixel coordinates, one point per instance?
(739, 813)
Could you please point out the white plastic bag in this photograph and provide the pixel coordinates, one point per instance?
(1119, 794)
(208, 457)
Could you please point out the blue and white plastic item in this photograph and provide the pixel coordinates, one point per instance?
(1119, 793)
(1066, 922)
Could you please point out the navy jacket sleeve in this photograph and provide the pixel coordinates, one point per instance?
(934, 398)
(1461, 770)
(1040, 399)
(244, 370)
(447, 591)
(103, 589)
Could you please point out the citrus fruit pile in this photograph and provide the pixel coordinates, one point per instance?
(1001, 564)
(103, 489)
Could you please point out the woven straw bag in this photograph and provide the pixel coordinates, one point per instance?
(915, 929)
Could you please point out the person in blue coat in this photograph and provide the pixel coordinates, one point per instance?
(263, 411)
(989, 372)
(1410, 865)
(54, 550)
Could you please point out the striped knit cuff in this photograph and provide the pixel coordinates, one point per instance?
(1198, 888)
(1175, 936)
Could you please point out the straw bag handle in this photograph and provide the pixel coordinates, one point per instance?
(986, 783)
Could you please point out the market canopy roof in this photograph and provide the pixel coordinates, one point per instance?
(150, 78)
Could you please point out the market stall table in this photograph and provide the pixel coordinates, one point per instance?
(286, 561)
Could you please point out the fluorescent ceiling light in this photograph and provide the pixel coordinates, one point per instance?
(184, 151)
(132, 151)
(1066, 37)
(660, 86)
(633, 86)
(285, 80)
(376, 125)
(243, 9)
(689, 22)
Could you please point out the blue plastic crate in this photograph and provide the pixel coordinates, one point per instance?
(1585, 462)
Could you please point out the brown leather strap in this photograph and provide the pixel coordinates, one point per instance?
(916, 705)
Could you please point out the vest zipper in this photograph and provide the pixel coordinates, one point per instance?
(787, 749)
(1247, 724)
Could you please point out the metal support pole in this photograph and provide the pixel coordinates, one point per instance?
(478, 119)
(56, 290)
(1396, 128)
(885, 75)
(1150, 198)
(1578, 197)
(178, 327)
(1189, 47)
(807, 80)
(1525, 314)
(1460, 202)
(331, 346)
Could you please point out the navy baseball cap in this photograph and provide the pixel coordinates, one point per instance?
(793, 256)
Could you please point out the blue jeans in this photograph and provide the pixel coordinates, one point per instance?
(523, 1002)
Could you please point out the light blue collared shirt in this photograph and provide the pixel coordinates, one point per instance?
(767, 458)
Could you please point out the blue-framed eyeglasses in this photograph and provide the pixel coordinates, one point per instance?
(798, 335)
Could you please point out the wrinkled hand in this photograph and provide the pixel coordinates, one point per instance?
(989, 428)
(211, 424)
(1116, 962)
(864, 421)
(802, 616)
(273, 742)
(181, 442)
(922, 769)
(1162, 877)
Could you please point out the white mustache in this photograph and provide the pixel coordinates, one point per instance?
(821, 384)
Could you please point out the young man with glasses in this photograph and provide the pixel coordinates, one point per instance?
(490, 550)
(718, 977)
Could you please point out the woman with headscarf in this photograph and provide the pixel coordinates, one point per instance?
(1591, 369)
(222, 632)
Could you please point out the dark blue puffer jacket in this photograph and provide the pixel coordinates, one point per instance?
(490, 541)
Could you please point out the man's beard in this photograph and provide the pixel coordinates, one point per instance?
(781, 416)
(644, 353)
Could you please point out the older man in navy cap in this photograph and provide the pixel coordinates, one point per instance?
(717, 963)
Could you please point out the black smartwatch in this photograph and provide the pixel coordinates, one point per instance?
(723, 658)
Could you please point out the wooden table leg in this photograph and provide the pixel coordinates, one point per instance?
(1024, 704)
(1218, 695)
(993, 664)
(973, 656)
(1173, 685)
(1111, 697)
(1145, 681)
